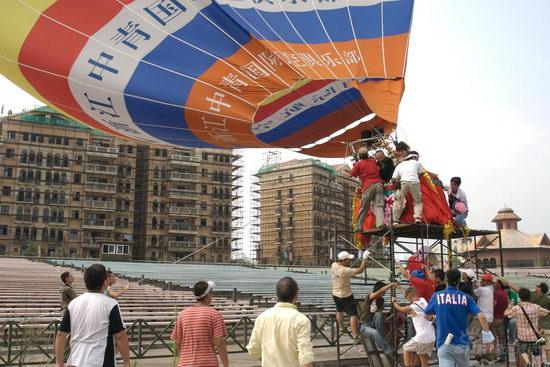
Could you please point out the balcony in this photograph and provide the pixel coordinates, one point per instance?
(183, 176)
(182, 194)
(181, 245)
(100, 205)
(94, 150)
(184, 160)
(182, 228)
(178, 210)
(100, 187)
(101, 169)
(94, 242)
(105, 224)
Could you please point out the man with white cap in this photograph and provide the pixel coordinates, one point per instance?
(407, 173)
(341, 289)
(199, 330)
(468, 277)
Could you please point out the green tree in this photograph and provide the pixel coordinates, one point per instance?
(31, 250)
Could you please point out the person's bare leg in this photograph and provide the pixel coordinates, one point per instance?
(525, 358)
(424, 362)
(408, 358)
(354, 326)
(340, 320)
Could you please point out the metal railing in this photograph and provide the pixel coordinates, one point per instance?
(26, 343)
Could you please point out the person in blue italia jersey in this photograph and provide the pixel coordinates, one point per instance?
(451, 308)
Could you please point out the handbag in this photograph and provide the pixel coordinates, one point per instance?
(540, 339)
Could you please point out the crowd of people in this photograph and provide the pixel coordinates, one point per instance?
(402, 176)
(479, 319)
(448, 311)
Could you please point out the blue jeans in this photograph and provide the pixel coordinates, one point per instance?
(453, 355)
(375, 329)
(512, 330)
(460, 219)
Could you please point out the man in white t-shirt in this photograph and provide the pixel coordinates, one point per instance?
(341, 289)
(422, 344)
(407, 173)
(485, 301)
(93, 320)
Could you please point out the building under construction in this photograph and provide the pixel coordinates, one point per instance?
(302, 207)
(69, 190)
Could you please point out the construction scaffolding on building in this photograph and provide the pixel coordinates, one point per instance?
(298, 207)
(71, 191)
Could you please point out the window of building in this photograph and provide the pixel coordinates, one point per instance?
(8, 172)
(130, 149)
(204, 189)
(76, 195)
(79, 142)
(78, 159)
(4, 210)
(3, 230)
(10, 153)
(11, 135)
(25, 136)
(165, 153)
(204, 205)
(6, 190)
(203, 222)
(75, 214)
(203, 240)
(73, 233)
(204, 156)
(108, 249)
(77, 178)
(157, 152)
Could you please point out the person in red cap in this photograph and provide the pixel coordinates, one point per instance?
(500, 298)
(485, 297)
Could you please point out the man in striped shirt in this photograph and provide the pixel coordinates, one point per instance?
(200, 330)
(526, 335)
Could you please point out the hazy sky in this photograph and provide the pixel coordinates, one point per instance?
(476, 103)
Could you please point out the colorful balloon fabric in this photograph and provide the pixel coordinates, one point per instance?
(223, 73)
(435, 208)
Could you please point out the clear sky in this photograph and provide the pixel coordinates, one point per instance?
(476, 103)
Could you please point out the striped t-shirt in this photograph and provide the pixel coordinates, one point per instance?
(195, 330)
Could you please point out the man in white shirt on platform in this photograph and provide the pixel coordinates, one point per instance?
(407, 173)
(341, 289)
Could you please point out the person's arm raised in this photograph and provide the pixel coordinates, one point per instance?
(363, 265)
(379, 293)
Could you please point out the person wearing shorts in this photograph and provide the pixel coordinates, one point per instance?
(422, 343)
(341, 289)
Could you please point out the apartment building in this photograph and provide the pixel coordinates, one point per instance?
(303, 206)
(69, 190)
(192, 204)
